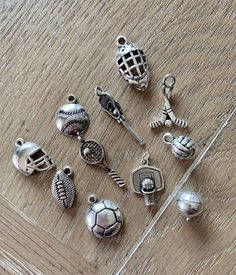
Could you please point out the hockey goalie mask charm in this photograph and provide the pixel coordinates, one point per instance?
(73, 120)
(147, 180)
(29, 157)
(132, 64)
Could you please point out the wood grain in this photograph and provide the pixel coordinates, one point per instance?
(52, 48)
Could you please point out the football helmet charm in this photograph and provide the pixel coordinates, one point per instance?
(147, 180)
(104, 218)
(132, 64)
(29, 157)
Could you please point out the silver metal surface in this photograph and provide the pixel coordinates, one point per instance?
(104, 218)
(182, 147)
(168, 117)
(93, 153)
(189, 204)
(147, 180)
(63, 190)
(29, 157)
(132, 64)
(72, 119)
(114, 109)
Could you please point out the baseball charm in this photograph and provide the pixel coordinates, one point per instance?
(104, 218)
(72, 119)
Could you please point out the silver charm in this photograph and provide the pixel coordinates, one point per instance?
(182, 147)
(114, 109)
(76, 122)
(71, 118)
(147, 180)
(168, 117)
(132, 64)
(29, 157)
(189, 204)
(63, 190)
(104, 218)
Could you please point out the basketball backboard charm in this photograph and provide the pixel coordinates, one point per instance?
(168, 117)
(104, 218)
(132, 64)
(114, 109)
(63, 190)
(73, 120)
(147, 180)
(30, 157)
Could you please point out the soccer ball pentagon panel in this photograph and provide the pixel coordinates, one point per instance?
(104, 218)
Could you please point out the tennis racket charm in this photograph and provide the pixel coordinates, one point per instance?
(93, 153)
(73, 120)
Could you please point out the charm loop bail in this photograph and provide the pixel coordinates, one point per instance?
(92, 199)
(19, 142)
(68, 171)
(71, 98)
(145, 159)
(121, 40)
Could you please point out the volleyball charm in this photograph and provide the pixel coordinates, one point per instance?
(182, 147)
(71, 118)
(104, 218)
(132, 64)
(189, 204)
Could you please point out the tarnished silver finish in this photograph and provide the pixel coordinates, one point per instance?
(189, 204)
(132, 64)
(29, 157)
(93, 153)
(104, 219)
(182, 147)
(114, 109)
(147, 180)
(71, 118)
(63, 190)
(168, 117)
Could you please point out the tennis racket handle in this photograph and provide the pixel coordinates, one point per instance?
(119, 181)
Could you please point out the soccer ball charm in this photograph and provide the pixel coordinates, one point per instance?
(104, 218)
(132, 64)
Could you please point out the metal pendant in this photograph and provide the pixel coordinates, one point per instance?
(63, 190)
(132, 64)
(73, 120)
(114, 109)
(29, 157)
(147, 180)
(182, 147)
(168, 117)
(104, 218)
(189, 204)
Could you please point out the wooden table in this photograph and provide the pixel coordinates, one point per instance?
(52, 48)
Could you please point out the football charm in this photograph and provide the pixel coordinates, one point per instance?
(104, 218)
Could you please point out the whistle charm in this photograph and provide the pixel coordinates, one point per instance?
(132, 64)
(168, 117)
(114, 109)
(147, 180)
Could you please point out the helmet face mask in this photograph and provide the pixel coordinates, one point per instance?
(30, 157)
(39, 160)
